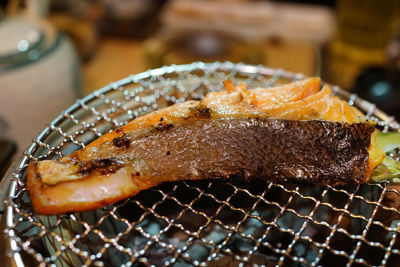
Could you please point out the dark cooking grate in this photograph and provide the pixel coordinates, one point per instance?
(213, 222)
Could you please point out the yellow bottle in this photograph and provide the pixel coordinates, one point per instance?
(364, 29)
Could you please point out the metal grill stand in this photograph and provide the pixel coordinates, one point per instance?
(245, 223)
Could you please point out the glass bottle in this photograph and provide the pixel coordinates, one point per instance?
(364, 29)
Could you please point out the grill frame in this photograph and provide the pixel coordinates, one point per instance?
(16, 253)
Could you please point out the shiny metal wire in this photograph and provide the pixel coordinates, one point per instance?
(213, 222)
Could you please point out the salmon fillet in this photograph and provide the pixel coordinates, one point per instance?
(291, 132)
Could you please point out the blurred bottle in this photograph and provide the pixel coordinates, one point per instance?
(381, 85)
(364, 29)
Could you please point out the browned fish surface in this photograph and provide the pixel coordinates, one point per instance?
(255, 133)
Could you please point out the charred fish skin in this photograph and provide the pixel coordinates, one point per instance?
(317, 152)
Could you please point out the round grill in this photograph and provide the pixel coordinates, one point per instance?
(211, 222)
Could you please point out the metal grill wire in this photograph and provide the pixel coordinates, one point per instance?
(213, 222)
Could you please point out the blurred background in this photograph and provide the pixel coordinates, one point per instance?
(53, 51)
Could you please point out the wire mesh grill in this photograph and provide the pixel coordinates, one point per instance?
(212, 222)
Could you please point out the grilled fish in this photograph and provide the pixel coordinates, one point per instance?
(291, 132)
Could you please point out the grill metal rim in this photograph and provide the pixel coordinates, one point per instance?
(385, 121)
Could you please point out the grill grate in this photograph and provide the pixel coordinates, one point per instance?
(212, 222)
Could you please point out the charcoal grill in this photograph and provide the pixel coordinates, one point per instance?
(206, 223)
